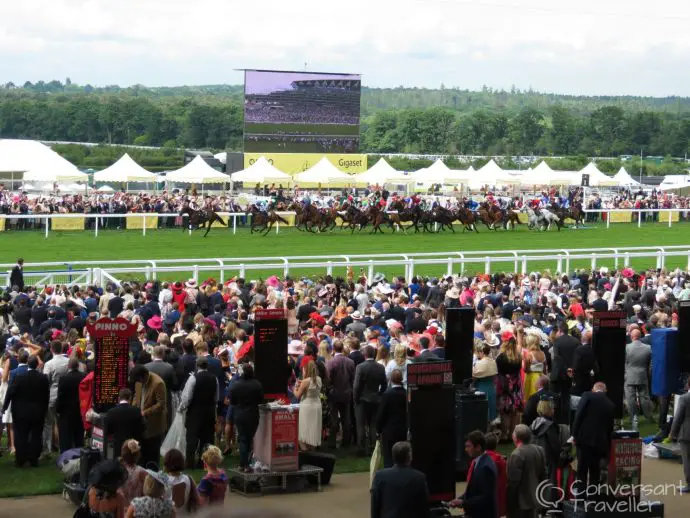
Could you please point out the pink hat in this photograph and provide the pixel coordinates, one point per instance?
(154, 322)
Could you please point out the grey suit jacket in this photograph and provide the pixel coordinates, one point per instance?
(638, 357)
(681, 422)
(166, 373)
(526, 469)
(370, 382)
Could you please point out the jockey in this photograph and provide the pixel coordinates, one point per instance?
(306, 201)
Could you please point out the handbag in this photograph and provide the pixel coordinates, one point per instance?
(376, 462)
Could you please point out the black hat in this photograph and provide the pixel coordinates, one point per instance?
(108, 475)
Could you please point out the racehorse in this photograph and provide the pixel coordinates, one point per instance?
(575, 213)
(466, 217)
(542, 220)
(264, 221)
(550, 218)
(488, 216)
(444, 218)
(353, 218)
(199, 218)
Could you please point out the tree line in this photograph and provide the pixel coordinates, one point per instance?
(441, 121)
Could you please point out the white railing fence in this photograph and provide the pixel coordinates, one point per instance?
(640, 215)
(448, 263)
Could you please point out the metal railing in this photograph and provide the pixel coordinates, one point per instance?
(641, 215)
(447, 263)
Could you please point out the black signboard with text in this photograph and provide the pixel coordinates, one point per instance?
(111, 350)
(270, 352)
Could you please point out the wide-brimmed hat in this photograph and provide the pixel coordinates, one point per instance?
(191, 283)
(507, 335)
(295, 348)
(356, 315)
(159, 477)
(177, 285)
(453, 293)
(154, 322)
(109, 474)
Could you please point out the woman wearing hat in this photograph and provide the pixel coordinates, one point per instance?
(105, 498)
(156, 501)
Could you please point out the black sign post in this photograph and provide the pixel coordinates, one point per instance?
(431, 417)
(608, 343)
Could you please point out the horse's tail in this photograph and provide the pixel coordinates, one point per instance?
(216, 217)
(281, 218)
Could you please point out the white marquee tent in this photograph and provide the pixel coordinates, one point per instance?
(125, 170)
(596, 177)
(197, 171)
(440, 173)
(261, 171)
(381, 173)
(544, 175)
(322, 172)
(674, 181)
(624, 179)
(18, 156)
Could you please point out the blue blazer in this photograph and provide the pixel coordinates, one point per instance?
(480, 498)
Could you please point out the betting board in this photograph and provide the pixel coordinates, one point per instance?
(270, 352)
(111, 350)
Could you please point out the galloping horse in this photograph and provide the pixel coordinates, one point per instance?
(575, 213)
(262, 221)
(466, 217)
(199, 218)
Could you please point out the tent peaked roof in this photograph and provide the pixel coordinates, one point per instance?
(491, 168)
(322, 172)
(261, 171)
(624, 179)
(596, 177)
(381, 172)
(124, 170)
(543, 168)
(197, 171)
(435, 173)
(37, 161)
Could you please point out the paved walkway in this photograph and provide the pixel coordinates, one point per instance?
(346, 497)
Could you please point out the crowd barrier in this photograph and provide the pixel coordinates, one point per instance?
(150, 221)
(558, 261)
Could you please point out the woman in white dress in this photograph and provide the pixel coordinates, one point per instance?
(6, 418)
(308, 391)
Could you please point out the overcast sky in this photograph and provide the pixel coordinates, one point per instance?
(637, 47)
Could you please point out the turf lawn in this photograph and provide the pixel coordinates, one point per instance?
(169, 244)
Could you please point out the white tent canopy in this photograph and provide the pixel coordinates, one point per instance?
(197, 171)
(544, 175)
(596, 177)
(490, 174)
(55, 173)
(124, 170)
(624, 179)
(439, 173)
(261, 171)
(18, 156)
(105, 188)
(381, 173)
(322, 172)
(674, 181)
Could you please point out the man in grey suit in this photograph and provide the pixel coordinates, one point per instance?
(167, 373)
(680, 431)
(525, 471)
(638, 357)
(370, 384)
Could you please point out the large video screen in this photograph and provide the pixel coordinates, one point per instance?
(300, 112)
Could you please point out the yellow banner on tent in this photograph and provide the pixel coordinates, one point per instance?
(293, 163)
(137, 222)
(663, 217)
(2, 224)
(67, 224)
(620, 216)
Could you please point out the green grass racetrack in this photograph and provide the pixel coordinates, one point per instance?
(221, 243)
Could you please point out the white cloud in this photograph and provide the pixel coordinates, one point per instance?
(587, 46)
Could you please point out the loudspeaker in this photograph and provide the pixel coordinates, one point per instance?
(460, 341)
(684, 335)
(608, 342)
(432, 435)
(665, 362)
(88, 458)
(471, 413)
(325, 461)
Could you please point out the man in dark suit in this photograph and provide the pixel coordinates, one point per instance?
(435, 296)
(480, 497)
(166, 372)
(70, 424)
(530, 413)
(22, 316)
(17, 275)
(426, 355)
(370, 383)
(592, 429)
(124, 422)
(21, 368)
(199, 401)
(341, 376)
(391, 422)
(29, 395)
(585, 368)
(39, 314)
(400, 491)
(563, 355)
(188, 360)
(355, 354)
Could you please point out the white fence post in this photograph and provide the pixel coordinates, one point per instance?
(97, 220)
(670, 218)
(47, 225)
(143, 223)
(639, 219)
(524, 265)
(371, 270)
(608, 219)
(234, 224)
(487, 264)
